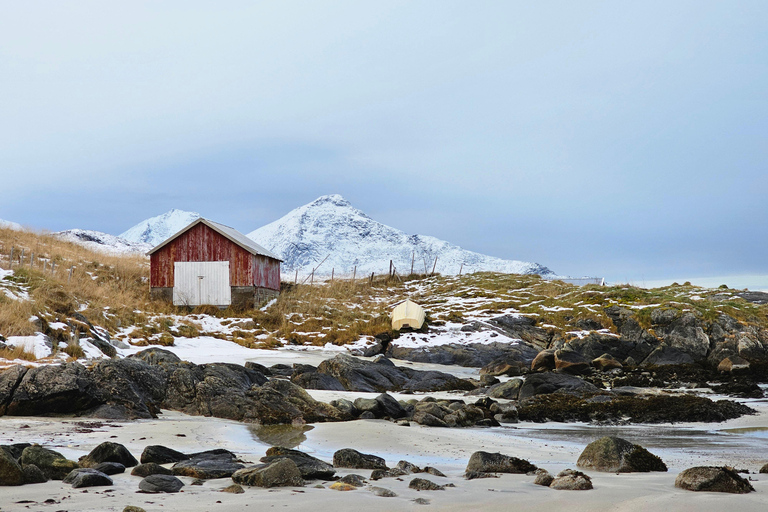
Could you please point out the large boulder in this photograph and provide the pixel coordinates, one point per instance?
(161, 483)
(349, 458)
(383, 406)
(161, 455)
(310, 467)
(619, 456)
(545, 383)
(280, 473)
(684, 333)
(53, 464)
(544, 361)
(571, 362)
(713, 479)
(523, 327)
(86, 477)
(485, 462)
(156, 356)
(473, 355)
(108, 452)
(508, 390)
(10, 470)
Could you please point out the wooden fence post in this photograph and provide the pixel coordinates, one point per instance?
(433, 266)
(296, 277)
(333, 269)
(461, 268)
(10, 261)
(21, 259)
(413, 259)
(354, 274)
(69, 277)
(371, 280)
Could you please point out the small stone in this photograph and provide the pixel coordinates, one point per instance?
(131, 508)
(406, 466)
(422, 484)
(434, 471)
(543, 477)
(341, 486)
(150, 468)
(421, 501)
(234, 489)
(382, 492)
(473, 475)
(571, 480)
(354, 480)
(197, 481)
(713, 479)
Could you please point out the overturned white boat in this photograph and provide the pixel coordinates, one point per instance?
(407, 314)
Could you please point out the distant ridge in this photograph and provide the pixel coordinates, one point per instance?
(331, 227)
(154, 230)
(102, 242)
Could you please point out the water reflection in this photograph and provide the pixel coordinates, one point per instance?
(288, 436)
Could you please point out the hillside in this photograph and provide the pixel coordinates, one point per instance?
(331, 227)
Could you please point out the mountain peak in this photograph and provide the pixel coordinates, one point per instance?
(157, 229)
(331, 231)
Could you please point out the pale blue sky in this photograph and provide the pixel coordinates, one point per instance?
(620, 139)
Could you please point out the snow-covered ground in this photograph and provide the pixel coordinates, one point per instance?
(157, 229)
(103, 242)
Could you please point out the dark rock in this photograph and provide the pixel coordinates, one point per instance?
(53, 464)
(161, 455)
(422, 484)
(568, 408)
(378, 474)
(434, 471)
(764, 469)
(259, 368)
(207, 466)
(281, 473)
(360, 375)
(156, 356)
(382, 359)
(108, 452)
(10, 470)
(488, 380)
(504, 367)
(473, 355)
(543, 477)
(33, 475)
(497, 463)
(150, 468)
(280, 401)
(110, 468)
(310, 467)
(508, 390)
(588, 324)
(86, 477)
(686, 335)
(346, 407)
(408, 467)
(317, 380)
(429, 420)
(619, 456)
(713, 479)
(282, 370)
(131, 508)
(353, 480)
(666, 355)
(522, 327)
(161, 483)
(234, 489)
(570, 480)
(15, 450)
(573, 363)
(545, 383)
(474, 475)
(349, 458)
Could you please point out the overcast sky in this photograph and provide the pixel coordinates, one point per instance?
(618, 139)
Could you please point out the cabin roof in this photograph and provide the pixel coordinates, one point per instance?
(227, 232)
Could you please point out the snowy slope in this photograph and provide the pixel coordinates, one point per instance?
(103, 242)
(157, 229)
(6, 224)
(331, 226)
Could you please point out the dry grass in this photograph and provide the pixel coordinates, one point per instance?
(18, 352)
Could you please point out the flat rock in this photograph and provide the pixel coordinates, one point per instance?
(619, 456)
(234, 489)
(110, 468)
(150, 468)
(486, 462)
(713, 479)
(206, 468)
(281, 473)
(545, 383)
(161, 483)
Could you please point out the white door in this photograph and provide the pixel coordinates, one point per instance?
(201, 282)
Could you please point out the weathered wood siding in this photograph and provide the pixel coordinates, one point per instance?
(202, 243)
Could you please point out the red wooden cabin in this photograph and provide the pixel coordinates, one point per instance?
(210, 263)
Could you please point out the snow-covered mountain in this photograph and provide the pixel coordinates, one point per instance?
(7, 224)
(103, 242)
(156, 229)
(330, 226)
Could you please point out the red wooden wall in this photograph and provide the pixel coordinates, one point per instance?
(202, 243)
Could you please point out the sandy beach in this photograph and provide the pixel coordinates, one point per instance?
(741, 443)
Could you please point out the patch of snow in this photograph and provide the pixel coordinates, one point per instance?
(102, 242)
(91, 350)
(14, 226)
(155, 230)
(330, 226)
(37, 344)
